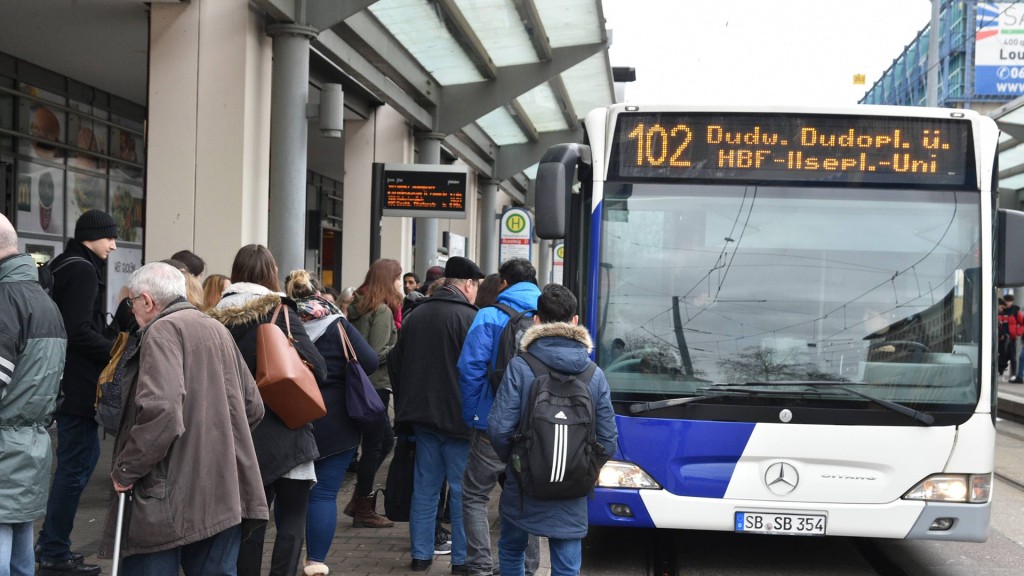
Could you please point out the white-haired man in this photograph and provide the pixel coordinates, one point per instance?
(184, 446)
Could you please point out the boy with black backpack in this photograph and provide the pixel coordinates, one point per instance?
(552, 396)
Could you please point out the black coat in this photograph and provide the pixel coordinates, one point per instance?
(336, 432)
(423, 363)
(278, 448)
(79, 289)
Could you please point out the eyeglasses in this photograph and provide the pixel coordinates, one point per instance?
(131, 301)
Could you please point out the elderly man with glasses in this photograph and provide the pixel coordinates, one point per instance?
(190, 404)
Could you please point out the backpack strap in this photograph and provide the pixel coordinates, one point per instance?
(65, 262)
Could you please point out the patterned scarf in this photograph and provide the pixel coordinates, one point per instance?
(313, 307)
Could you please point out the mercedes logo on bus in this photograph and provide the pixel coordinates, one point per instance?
(781, 478)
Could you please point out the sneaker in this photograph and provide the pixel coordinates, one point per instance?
(442, 541)
(1016, 380)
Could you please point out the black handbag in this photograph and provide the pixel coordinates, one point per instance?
(398, 488)
(361, 399)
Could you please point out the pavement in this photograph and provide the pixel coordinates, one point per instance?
(355, 551)
(385, 551)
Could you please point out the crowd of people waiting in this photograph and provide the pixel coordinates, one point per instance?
(205, 461)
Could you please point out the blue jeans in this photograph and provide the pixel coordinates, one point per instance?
(213, 556)
(566, 555)
(78, 450)
(482, 471)
(438, 456)
(16, 555)
(322, 517)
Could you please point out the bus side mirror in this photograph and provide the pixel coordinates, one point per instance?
(1009, 242)
(555, 175)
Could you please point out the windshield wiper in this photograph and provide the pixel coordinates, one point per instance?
(922, 417)
(641, 407)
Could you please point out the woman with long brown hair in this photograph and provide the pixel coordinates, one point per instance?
(285, 456)
(376, 312)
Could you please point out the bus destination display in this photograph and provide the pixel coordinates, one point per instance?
(424, 191)
(876, 149)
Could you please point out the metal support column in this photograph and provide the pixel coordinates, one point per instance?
(544, 262)
(932, 86)
(489, 226)
(286, 235)
(429, 146)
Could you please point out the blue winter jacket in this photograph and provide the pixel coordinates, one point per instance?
(565, 348)
(481, 349)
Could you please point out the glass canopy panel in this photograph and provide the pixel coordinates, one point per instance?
(1011, 158)
(589, 84)
(1004, 137)
(543, 109)
(417, 25)
(1014, 117)
(571, 22)
(501, 127)
(498, 26)
(1013, 182)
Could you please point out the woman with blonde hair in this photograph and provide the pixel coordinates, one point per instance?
(285, 456)
(376, 311)
(337, 435)
(213, 288)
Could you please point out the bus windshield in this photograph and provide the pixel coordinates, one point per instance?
(715, 290)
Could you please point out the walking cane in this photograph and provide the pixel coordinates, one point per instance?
(117, 532)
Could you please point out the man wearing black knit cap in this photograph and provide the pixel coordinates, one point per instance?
(79, 289)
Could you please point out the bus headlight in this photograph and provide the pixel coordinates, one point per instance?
(973, 488)
(616, 474)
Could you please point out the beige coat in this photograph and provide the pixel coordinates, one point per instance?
(185, 437)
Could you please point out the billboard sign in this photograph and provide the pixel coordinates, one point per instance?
(999, 49)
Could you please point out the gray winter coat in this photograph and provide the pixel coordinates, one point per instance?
(32, 348)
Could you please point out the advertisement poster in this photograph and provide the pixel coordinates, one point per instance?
(126, 208)
(999, 49)
(87, 134)
(46, 123)
(126, 144)
(40, 198)
(84, 193)
(120, 265)
(515, 235)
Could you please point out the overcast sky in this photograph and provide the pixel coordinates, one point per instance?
(758, 51)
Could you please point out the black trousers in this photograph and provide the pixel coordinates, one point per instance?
(378, 441)
(289, 499)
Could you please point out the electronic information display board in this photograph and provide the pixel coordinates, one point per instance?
(422, 190)
(899, 151)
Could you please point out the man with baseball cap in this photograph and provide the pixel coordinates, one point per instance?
(426, 386)
(79, 289)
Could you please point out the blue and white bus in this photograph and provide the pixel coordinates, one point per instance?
(795, 310)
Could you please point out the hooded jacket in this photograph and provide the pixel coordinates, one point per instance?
(242, 310)
(423, 363)
(79, 289)
(564, 348)
(185, 438)
(32, 347)
(481, 350)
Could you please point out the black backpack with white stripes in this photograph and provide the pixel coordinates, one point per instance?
(555, 453)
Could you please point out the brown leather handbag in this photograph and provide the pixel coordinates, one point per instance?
(285, 381)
